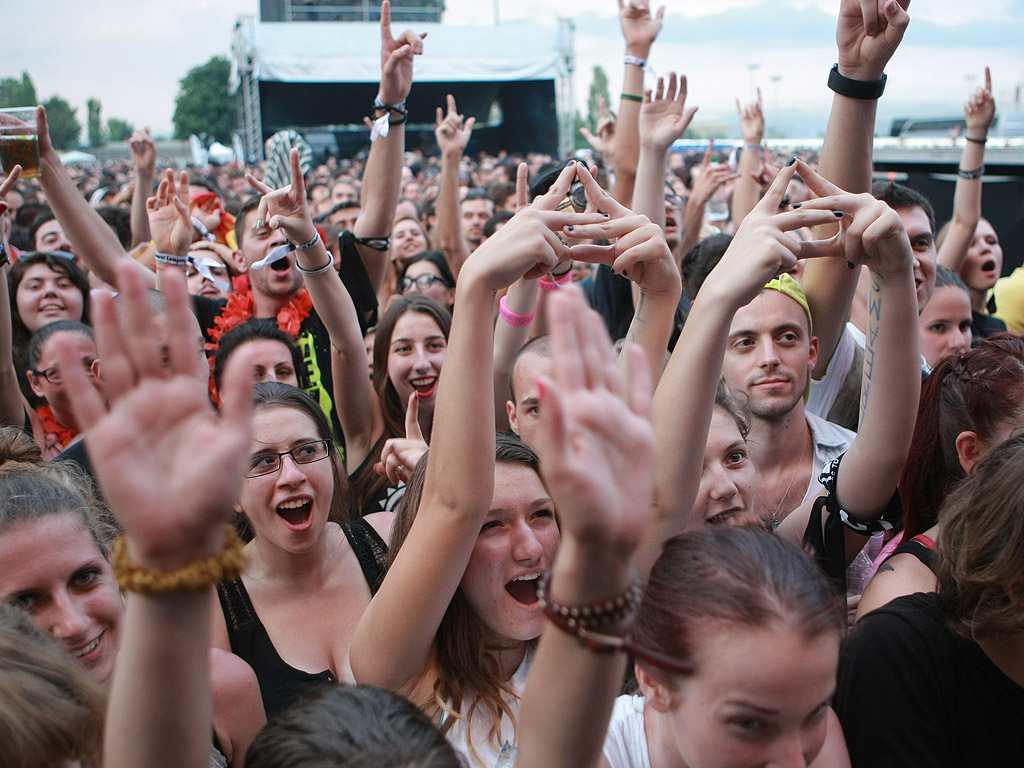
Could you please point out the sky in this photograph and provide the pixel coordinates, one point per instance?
(131, 54)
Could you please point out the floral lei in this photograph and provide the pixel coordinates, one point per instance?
(239, 309)
(61, 435)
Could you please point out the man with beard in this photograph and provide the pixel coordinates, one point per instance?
(769, 357)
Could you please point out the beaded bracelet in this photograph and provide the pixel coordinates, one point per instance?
(171, 259)
(510, 317)
(577, 621)
(194, 577)
(551, 281)
(977, 173)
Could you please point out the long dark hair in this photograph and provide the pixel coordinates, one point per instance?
(467, 671)
(977, 391)
(365, 482)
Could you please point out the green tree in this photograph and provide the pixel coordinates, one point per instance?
(598, 91)
(64, 127)
(95, 124)
(18, 93)
(204, 104)
(119, 130)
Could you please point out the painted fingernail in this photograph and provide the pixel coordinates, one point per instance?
(275, 225)
(259, 223)
(796, 205)
(838, 214)
(791, 161)
(849, 265)
(569, 227)
(606, 215)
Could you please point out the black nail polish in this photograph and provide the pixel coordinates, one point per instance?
(849, 265)
(570, 227)
(838, 214)
(791, 161)
(796, 205)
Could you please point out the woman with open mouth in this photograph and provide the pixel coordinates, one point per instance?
(476, 530)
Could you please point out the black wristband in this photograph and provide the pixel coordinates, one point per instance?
(855, 89)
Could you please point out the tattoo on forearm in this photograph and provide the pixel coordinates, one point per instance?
(874, 321)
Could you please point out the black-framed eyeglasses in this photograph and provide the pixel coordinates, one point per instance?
(54, 376)
(307, 453)
(422, 282)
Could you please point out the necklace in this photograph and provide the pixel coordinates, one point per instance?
(773, 521)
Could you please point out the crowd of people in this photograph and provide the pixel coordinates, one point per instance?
(429, 460)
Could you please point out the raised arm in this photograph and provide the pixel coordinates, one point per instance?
(872, 234)
(94, 241)
(867, 35)
(979, 111)
(358, 408)
(144, 160)
(452, 134)
(684, 399)
(174, 506)
(596, 446)
(709, 178)
(638, 251)
(12, 406)
(459, 481)
(639, 29)
(382, 177)
(746, 191)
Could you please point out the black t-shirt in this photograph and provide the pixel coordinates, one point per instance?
(314, 344)
(911, 693)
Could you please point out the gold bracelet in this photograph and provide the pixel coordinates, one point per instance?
(194, 577)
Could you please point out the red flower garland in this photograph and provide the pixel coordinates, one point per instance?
(57, 436)
(239, 309)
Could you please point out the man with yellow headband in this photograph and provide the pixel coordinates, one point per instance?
(769, 357)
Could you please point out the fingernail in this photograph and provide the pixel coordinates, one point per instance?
(569, 227)
(849, 265)
(796, 205)
(837, 214)
(791, 161)
(275, 225)
(259, 223)
(606, 215)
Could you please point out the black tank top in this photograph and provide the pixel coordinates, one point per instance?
(280, 684)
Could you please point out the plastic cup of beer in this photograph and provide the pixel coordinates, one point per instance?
(19, 141)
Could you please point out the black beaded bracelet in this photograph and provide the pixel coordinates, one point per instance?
(855, 89)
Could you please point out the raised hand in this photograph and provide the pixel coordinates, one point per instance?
(143, 151)
(170, 224)
(638, 250)
(451, 130)
(762, 247)
(604, 140)
(868, 33)
(6, 186)
(870, 233)
(530, 245)
(980, 109)
(401, 454)
(396, 57)
(639, 27)
(170, 467)
(710, 178)
(595, 438)
(751, 120)
(285, 208)
(663, 116)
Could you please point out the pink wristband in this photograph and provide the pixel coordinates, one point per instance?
(551, 282)
(510, 317)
